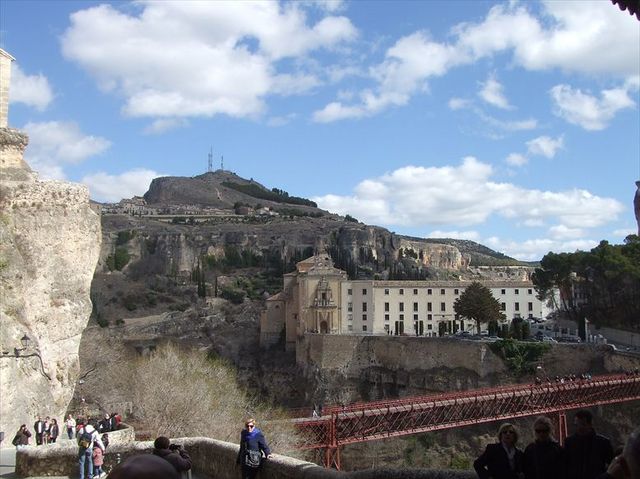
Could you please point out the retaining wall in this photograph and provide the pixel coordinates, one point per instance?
(211, 458)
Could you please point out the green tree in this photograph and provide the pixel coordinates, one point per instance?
(478, 304)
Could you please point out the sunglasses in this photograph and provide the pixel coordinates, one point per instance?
(250, 426)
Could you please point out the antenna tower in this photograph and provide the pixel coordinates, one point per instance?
(210, 166)
(222, 162)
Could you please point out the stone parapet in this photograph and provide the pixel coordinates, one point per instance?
(211, 458)
(12, 165)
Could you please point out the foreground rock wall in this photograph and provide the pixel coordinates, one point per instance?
(49, 246)
(210, 458)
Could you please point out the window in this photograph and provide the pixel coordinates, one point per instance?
(364, 291)
(349, 291)
(350, 317)
(503, 291)
(386, 328)
(350, 327)
(530, 306)
(429, 317)
(517, 306)
(386, 317)
(415, 317)
(503, 306)
(401, 306)
(429, 291)
(386, 306)
(401, 291)
(349, 306)
(415, 291)
(386, 290)
(529, 291)
(516, 291)
(364, 306)
(443, 306)
(324, 296)
(428, 306)
(442, 291)
(456, 291)
(415, 306)
(402, 317)
(429, 326)
(364, 327)
(364, 317)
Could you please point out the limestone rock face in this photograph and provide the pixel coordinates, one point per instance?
(49, 247)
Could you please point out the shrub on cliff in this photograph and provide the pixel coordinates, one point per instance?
(185, 393)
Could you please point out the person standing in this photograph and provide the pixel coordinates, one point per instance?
(502, 460)
(98, 461)
(47, 430)
(543, 457)
(173, 454)
(54, 431)
(627, 464)
(87, 438)
(587, 454)
(38, 429)
(71, 425)
(22, 437)
(252, 447)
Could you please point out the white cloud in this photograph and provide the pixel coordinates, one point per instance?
(54, 144)
(624, 232)
(508, 125)
(594, 39)
(162, 125)
(561, 232)
(465, 195)
(545, 146)
(276, 121)
(516, 159)
(586, 110)
(459, 103)
(104, 187)
(183, 59)
(492, 92)
(463, 235)
(535, 249)
(32, 90)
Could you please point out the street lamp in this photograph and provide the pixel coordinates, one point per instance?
(26, 342)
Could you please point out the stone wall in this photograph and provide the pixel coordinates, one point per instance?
(49, 246)
(210, 458)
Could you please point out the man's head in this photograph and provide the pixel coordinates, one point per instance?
(161, 443)
(542, 428)
(145, 466)
(583, 421)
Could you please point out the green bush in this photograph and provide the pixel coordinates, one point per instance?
(130, 302)
(236, 296)
(124, 237)
(520, 357)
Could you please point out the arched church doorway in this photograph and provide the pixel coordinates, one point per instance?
(324, 327)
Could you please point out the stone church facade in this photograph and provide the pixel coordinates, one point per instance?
(319, 298)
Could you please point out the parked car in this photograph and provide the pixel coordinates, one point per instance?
(569, 339)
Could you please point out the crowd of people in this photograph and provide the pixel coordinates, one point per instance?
(585, 455)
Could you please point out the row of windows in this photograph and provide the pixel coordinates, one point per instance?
(443, 307)
(456, 291)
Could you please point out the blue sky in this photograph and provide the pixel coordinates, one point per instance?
(512, 124)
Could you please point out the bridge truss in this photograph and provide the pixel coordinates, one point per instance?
(340, 425)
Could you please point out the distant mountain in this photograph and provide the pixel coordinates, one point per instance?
(219, 189)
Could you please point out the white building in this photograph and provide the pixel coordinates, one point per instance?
(320, 298)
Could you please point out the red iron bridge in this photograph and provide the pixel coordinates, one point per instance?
(361, 422)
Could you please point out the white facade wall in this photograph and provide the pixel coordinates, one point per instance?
(396, 307)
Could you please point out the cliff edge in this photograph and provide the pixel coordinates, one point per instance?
(49, 246)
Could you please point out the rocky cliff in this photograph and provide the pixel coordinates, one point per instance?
(49, 245)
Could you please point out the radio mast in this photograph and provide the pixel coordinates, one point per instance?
(210, 166)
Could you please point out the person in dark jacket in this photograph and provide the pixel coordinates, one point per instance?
(501, 460)
(38, 429)
(54, 431)
(22, 437)
(543, 457)
(251, 439)
(587, 454)
(627, 464)
(172, 453)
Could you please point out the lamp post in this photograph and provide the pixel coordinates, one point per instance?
(25, 341)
